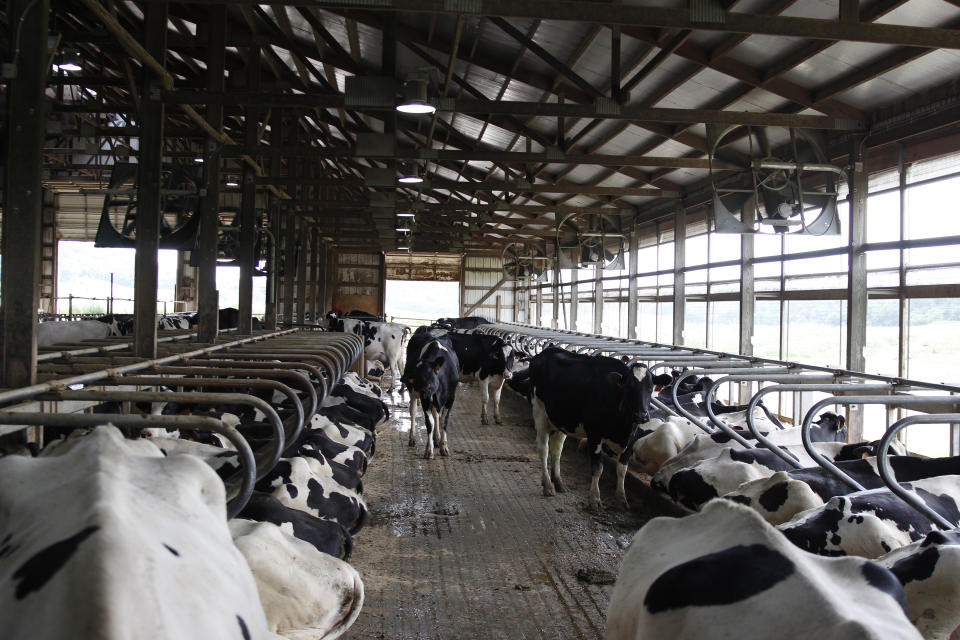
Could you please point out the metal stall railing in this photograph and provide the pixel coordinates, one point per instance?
(283, 362)
(781, 376)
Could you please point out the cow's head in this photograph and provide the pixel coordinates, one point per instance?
(502, 354)
(425, 379)
(636, 392)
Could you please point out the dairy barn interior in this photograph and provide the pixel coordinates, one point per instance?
(712, 241)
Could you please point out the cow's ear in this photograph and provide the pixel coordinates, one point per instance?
(840, 422)
(438, 363)
(615, 378)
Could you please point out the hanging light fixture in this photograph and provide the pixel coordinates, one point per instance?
(70, 60)
(410, 173)
(413, 97)
(403, 229)
(232, 182)
(405, 214)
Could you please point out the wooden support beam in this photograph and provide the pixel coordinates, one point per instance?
(23, 194)
(679, 279)
(289, 266)
(148, 185)
(270, 303)
(208, 297)
(632, 297)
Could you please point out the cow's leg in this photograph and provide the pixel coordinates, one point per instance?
(484, 399)
(414, 401)
(557, 439)
(496, 401)
(445, 417)
(621, 490)
(427, 411)
(596, 466)
(542, 424)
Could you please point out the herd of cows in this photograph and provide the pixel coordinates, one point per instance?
(770, 550)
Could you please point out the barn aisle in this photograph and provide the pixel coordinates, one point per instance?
(467, 547)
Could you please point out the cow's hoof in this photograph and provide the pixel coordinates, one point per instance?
(595, 505)
(483, 420)
(444, 451)
(561, 487)
(428, 455)
(498, 420)
(549, 491)
(411, 443)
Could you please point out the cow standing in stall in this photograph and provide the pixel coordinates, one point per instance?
(595, 397)
(382, 341)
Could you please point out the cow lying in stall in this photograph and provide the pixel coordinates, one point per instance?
(111, 561)
(595, 397)
(725, 573)
(71, 332)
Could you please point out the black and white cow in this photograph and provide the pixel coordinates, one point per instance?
(71, 332)
(464, 324)
(488, 359)
(595, 397)
(433, 380)
(295, 484)
(725, 573)
(786, 493)
(305, 593)
(928, 572)
(873, 522)
(326, 536)
(382, 341)
(99, 529)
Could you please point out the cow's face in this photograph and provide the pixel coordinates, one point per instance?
(636, 392)
(502, 355)
(425, 379)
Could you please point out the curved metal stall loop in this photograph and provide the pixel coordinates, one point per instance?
(265, 462)
(299, 373)
(256, 361)
(292, 378)
(707, 396)
(721, 366)
(102, 349)
(773, 374)
(23, 393)
(886, 473)
(329, 366)
(237, 497)
(950, 402)
(290, 434)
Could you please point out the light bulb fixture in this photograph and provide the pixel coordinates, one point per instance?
(414, 97)
(403, 229)
(405, 214)
(70, 60)
(409, 173)
(231, 182)
(402, 248)
(198, 160)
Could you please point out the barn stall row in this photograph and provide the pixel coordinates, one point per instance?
(860, 538)
(227, 489)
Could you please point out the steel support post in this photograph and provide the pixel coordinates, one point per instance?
(22, 192)
(303, 248)
(679, 277)
(598, 299)
(557, 299)
(289, 264)
(857, 277)
(574, 298)
(248, 202)
(633, 302)
(148, 188)
(208, 299)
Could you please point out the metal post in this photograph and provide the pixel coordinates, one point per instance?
(857, 277)
(633, 302)
(498, 308)
(289, 264)
(557, 299)
(248, 201)
(207, 311)
(22, 207)
(679, 277)
(574, 298)
(148, 185)
(598, 298)
(270, 304)
(110, 299)
(70, 306)
(747, 300)
(303, 242)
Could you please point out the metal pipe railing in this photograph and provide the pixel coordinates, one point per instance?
(886, 473)
(899, 401)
